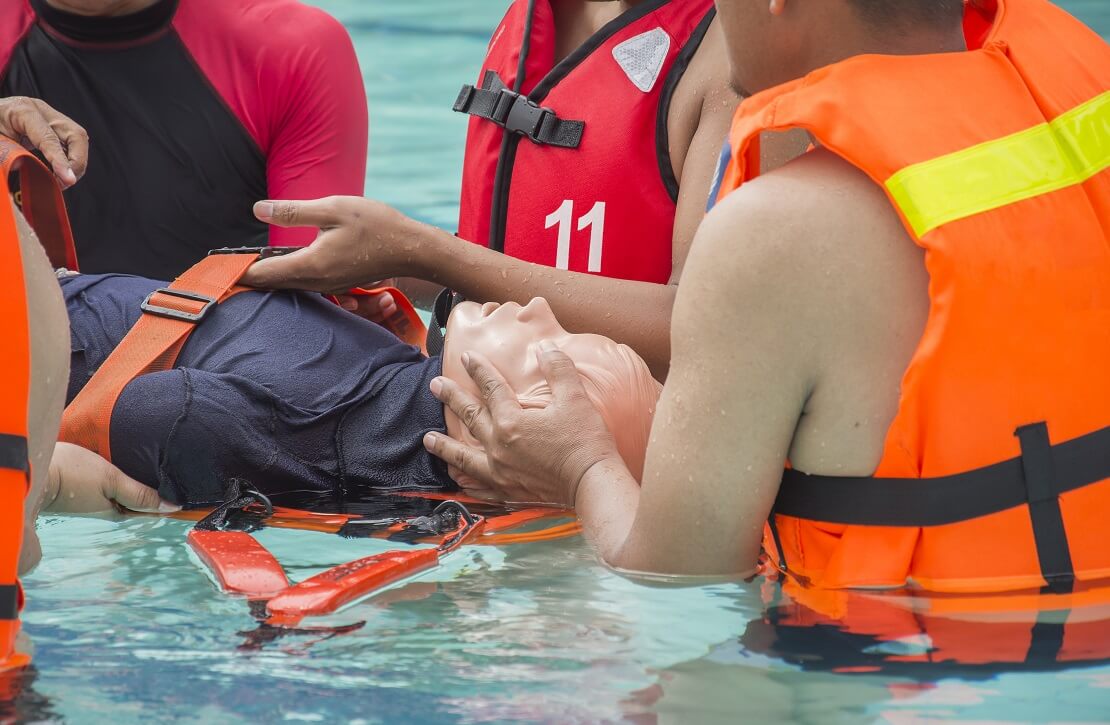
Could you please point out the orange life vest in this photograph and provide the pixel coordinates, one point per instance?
(40, 201)
(995, 475)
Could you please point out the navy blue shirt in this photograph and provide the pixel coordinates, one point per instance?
(283, 389)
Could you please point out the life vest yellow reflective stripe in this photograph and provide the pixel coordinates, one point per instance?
(1051, 156)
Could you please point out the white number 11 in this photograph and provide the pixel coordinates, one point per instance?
(594, 219)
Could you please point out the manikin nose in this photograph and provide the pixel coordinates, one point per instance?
(532, 309)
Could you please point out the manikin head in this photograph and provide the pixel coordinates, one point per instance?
(771, 42)
(616, 379)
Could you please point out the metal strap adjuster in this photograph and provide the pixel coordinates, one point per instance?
(262, 252)
(520, 115)
(173, 314)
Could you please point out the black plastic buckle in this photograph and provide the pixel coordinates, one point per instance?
(159, 311)
(520, 115)
(262, 252)
(462, 102)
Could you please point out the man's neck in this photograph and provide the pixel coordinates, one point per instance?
(101, 9)
(865, 41)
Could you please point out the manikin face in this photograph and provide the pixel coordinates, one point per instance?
(508, 335)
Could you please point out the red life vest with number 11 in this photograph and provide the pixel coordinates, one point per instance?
(568, 164)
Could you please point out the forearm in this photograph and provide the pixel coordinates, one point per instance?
(606, 502)
(637, 314)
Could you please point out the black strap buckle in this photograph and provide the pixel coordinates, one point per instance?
(171, 313)
(520, 115)
(262, 252)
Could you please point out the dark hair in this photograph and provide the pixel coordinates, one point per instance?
(906, 14)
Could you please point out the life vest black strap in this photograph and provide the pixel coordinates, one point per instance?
(516, 113)
(867, 501)
(9, 601)
(13, 452)
(1049, 533)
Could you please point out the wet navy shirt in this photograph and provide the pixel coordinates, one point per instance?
(283, 389)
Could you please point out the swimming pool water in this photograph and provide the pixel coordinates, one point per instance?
(129, 630)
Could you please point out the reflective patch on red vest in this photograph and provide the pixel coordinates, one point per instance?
(641, 57)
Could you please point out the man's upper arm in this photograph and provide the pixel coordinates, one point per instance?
(321, 143)
(740, 375)
(697, 174)
(49, 328)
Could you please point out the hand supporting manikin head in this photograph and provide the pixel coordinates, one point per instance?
(616, 379)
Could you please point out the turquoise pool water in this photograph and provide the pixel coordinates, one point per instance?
(129, 630)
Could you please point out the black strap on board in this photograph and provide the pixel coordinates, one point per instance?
(441, 310)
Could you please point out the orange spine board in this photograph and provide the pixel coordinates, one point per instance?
(329, 590)
(240, 564)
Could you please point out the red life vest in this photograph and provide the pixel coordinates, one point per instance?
(576, 172)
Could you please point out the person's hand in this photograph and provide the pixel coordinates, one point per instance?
(535, 455)
(38, 126)
(360, 241)
(83, 482)
(378, 308)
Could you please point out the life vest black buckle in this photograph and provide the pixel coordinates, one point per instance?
(520, 115)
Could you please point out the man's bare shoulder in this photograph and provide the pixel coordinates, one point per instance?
(812, 211)
(813, 249)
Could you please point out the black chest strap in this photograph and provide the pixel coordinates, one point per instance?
(1042, 473)
(1035, 479)
(514, 112)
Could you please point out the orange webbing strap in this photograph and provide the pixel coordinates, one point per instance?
(170, 315)
(405, 324)
(40, 200)
(15, 388)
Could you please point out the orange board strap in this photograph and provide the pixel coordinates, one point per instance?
(152, 345)
(41, 201)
